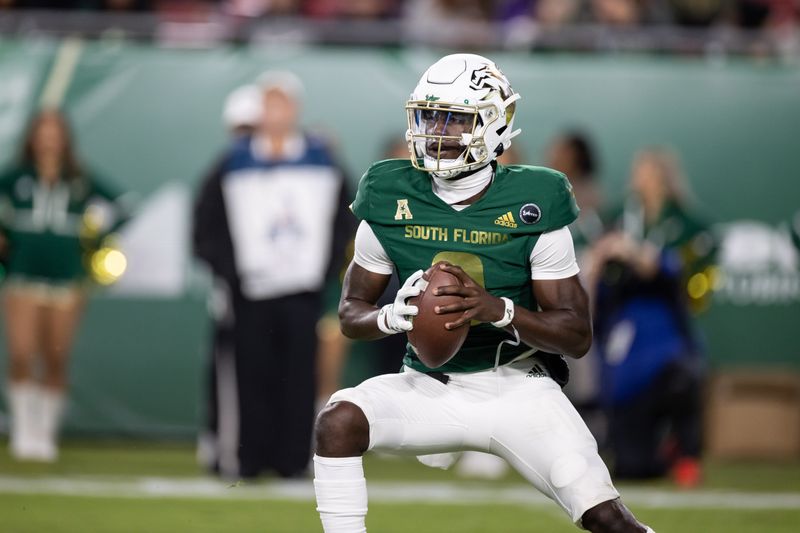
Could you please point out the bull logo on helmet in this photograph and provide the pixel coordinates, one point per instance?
(485, 77)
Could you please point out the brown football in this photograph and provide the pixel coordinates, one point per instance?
(434, 344)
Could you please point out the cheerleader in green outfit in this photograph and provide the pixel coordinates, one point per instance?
(53, 217)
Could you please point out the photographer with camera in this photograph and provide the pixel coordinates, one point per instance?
(649, 274)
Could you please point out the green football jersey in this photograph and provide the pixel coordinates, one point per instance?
(52, 230)
(492, 239)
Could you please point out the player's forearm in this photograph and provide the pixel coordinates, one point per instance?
(359, 320)
(559, 331)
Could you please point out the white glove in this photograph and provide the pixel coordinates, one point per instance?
(395, 317)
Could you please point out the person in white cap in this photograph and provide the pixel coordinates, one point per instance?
(242, 110)
(241, 114)
(276, 232)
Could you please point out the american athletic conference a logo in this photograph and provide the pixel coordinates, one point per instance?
(403, 212)
(530, 214)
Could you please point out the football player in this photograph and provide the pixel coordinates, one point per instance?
(502, 231)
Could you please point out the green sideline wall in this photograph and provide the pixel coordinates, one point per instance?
(147, 117)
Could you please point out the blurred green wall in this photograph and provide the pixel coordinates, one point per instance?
(149, 118)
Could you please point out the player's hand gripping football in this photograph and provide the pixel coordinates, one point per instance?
(477, 303)
(395, 317)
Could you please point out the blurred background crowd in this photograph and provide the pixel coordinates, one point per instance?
(740, 13)
(762, 28)
(685, 169)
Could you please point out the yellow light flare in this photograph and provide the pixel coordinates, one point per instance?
(698, 286)
(108, 265)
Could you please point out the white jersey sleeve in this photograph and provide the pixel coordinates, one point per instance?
(369, 253)
(553, 257)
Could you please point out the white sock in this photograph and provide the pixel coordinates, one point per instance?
(341, 494)
(649, 530)
(22, 400)
(51, 403)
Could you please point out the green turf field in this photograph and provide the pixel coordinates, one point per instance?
(143, 487)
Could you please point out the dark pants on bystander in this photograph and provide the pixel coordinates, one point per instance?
(660, 424)
(275, 350)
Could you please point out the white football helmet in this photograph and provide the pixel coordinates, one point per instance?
(460, 115)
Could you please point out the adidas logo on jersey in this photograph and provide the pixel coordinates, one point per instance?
(506, 220)
(537, 372)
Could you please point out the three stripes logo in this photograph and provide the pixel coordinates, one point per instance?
(506, 220)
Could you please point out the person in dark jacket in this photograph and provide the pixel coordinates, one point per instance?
(273, 222)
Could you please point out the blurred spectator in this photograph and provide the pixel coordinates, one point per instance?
(557, 13)
(455, 23)
(770, 26)
(242, 111)
(505, 10)
(652, 357)
(351, 9)
(258, 8)
(480, 9)
(54, 217)
(751, 14)
(217, 445)
(572, 152)
(108, 5)
(618, 13)
(39, 4)
(285, 204)
(696, 13)
(127, 5)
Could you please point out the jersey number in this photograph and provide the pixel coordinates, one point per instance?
(470, 263)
